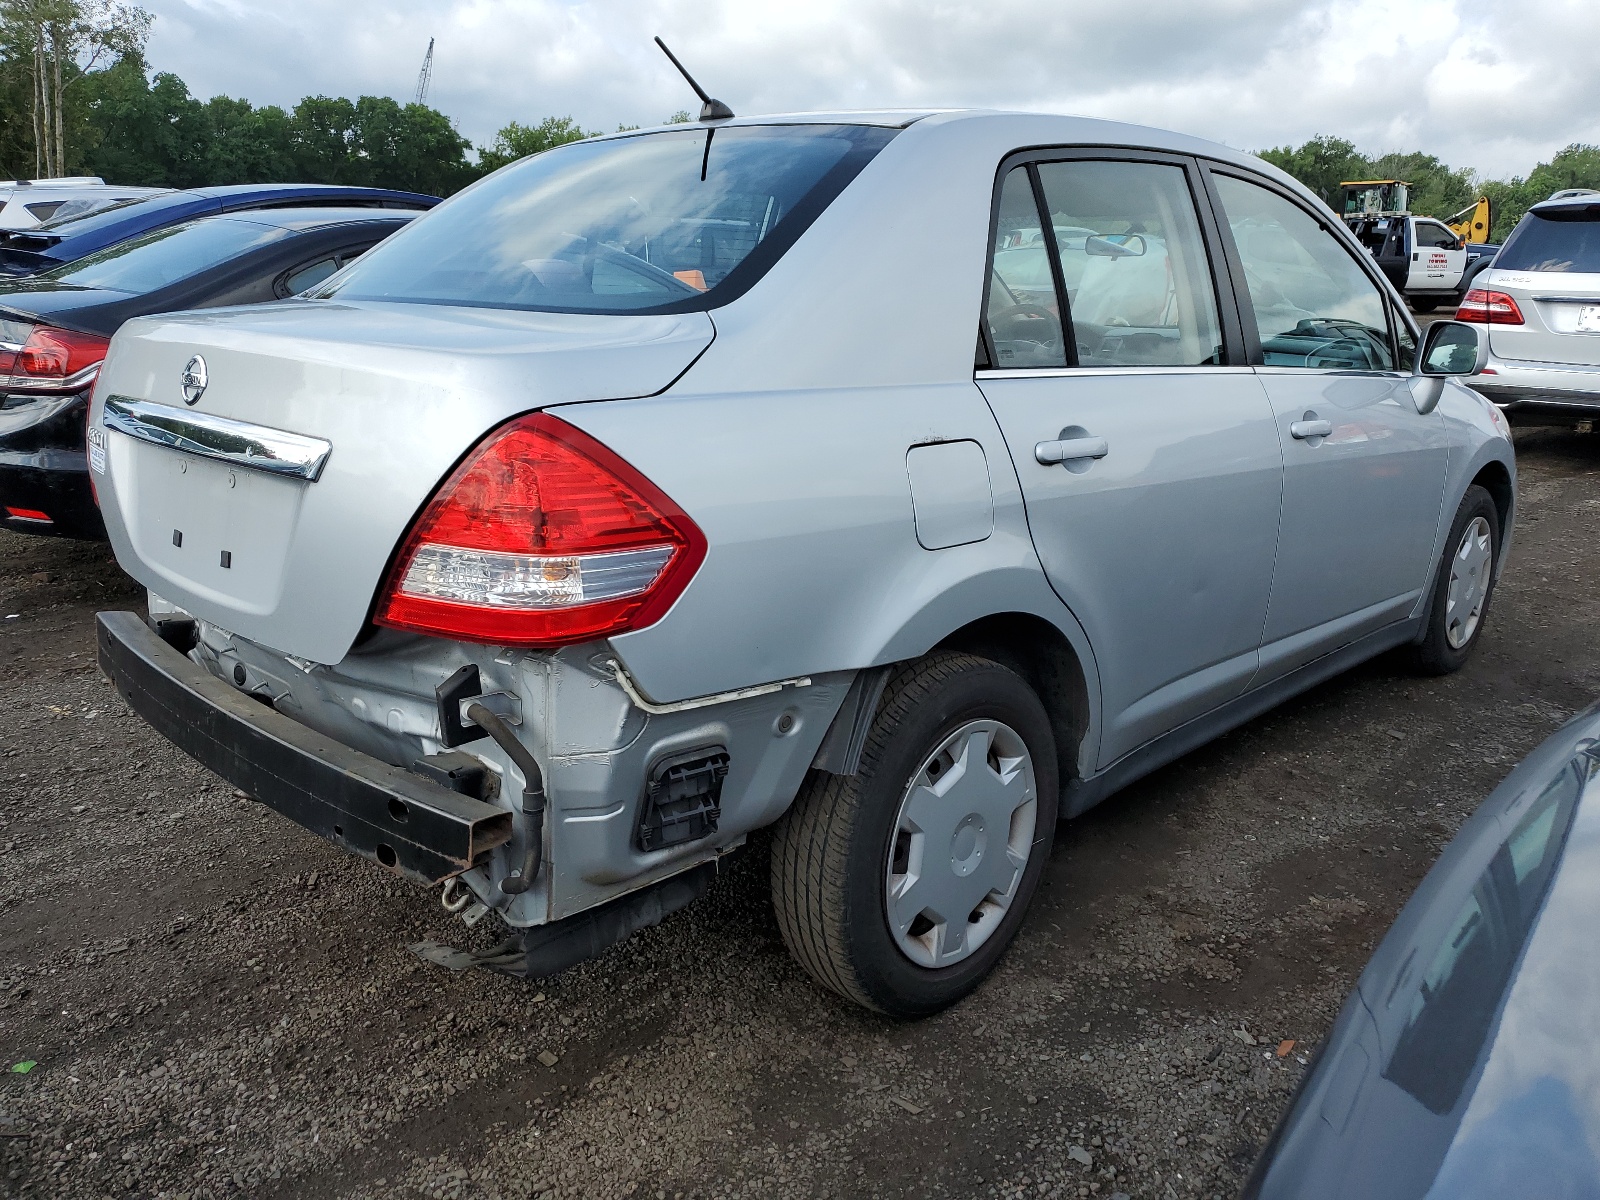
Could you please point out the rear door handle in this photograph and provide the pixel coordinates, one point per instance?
(1310, 429)
(1070, 450)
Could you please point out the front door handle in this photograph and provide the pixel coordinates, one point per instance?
(1310, 429)
(1070, 450)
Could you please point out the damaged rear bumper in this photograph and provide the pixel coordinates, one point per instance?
(391, 816)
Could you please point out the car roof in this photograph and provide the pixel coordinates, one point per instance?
(1025, 128)
(301, 219)
(1586, 200)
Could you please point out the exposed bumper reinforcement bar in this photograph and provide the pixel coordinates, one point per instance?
(400, 820)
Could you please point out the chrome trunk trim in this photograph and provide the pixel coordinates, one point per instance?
(238, 443)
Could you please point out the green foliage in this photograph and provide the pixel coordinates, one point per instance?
(1437, 190)
(1321, 164)
(518, 141)
(681, 117)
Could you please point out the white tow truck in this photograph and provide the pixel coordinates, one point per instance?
(1429, 262)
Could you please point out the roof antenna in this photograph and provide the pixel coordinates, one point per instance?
(710, 110)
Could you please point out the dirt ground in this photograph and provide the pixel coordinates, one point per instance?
(220, 1004)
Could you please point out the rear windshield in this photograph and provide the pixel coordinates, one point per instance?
(1566, 240)
(660, 222)
(145, 264)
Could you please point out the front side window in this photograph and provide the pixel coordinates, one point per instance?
(1022, 312)
(1435, 236)
(1563, 240)
(145, 264)
(661, 222)
(1314, 306)
(1135, 267)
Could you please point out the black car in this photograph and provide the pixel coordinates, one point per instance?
(67, 239)
(1465, 1064)
(55, 329)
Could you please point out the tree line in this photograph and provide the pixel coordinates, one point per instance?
(77, 98)
(1437, 189)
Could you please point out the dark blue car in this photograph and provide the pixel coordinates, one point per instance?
(56, 326)
(29, 251)
(1464, 1065)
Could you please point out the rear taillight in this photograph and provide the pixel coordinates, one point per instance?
(55, 360)
(541, 537)
(1489, 308)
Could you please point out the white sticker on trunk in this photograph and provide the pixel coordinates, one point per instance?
(97, 451)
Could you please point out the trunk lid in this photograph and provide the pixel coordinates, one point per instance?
(398, 392)
(1561, 311)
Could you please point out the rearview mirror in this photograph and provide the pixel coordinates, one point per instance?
(1117, 245)
(1452, 348)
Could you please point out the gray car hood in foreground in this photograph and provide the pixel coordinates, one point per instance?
(400, 391)
(1500, 1095)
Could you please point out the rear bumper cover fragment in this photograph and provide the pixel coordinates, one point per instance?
(381, 812)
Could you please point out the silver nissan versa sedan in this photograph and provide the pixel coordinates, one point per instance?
(791, 471)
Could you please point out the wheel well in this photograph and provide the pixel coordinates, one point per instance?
(1041, 654)
(1496, 480)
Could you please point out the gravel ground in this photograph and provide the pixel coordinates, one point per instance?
(220, 1004)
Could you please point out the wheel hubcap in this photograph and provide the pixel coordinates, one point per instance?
(961, 842)
(1469, 584)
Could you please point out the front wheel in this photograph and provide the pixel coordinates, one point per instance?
(900, 887)
(1463, 585)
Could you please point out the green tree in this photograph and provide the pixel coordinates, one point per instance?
(1321, 164)
(518, 141)
(62, 42)
(413, 147)
(244, 144)
(681, 117)
(323, 135)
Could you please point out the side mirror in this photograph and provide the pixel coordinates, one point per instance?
(1452, 348)
(1448, 348)
(1118, 245)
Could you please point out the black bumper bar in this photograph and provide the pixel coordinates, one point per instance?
(394, 817)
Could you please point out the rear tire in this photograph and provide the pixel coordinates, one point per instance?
(1423, 306)
(1462, 587)
(864, 865)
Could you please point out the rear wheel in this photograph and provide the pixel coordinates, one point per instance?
(1423, 306)
(1463, 586)
(900, 887)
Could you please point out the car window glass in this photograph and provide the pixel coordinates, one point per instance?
(44, 209)
(1451, 1011)
(1314, 306)
(1437, 236)
(1022, 311)
(309, 275)
(1138, 280)
(652, 221)
(1557, 240)
(166, 256)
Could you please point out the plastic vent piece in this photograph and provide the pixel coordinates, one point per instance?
(683, 800)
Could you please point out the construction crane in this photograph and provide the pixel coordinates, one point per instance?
(425, 76)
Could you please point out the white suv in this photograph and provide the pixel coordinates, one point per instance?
(1538, 307)
(26, 203)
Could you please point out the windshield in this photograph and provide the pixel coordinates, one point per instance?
(1566, 240)
(83, 206)
(144, 264)
(659, 222)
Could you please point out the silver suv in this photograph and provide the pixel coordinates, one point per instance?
(905, 482)
(1538, 307)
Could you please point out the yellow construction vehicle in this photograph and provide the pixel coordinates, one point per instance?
(1471, 224)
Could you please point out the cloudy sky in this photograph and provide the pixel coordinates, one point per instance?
(1491, 84)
